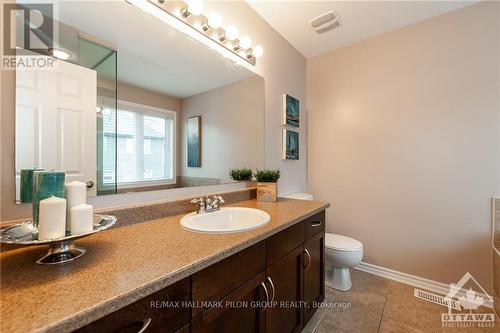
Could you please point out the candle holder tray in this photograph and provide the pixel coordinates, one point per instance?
(61, 250)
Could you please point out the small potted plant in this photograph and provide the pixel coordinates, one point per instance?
(267, 185)
(241, 174)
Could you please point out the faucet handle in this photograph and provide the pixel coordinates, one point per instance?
(219, 198)
(200, 201)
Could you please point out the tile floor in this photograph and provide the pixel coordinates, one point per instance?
(376, 304)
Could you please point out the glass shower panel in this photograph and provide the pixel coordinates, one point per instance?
(104, 61)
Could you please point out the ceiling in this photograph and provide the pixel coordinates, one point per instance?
(360, 19)
(151, 54)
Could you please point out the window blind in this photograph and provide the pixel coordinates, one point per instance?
(144, 144)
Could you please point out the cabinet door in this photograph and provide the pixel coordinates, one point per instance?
(221, 279)
(284, 280)
(242, 311)
(314, 274)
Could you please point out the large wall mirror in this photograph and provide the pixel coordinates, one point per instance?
(136, 106)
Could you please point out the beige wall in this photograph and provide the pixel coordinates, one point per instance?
(232, 128)
(130, 93)
(404, 141)
(284, 71)
(134, 94)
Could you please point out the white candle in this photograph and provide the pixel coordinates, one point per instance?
(52, 218)
(76, 194)
(82, 219)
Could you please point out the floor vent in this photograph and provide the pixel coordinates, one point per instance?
(437, 299)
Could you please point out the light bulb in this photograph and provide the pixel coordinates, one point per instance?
(195, 7)
(258, 51)
(177, 12)
(214, 21)
(61, 54)
(245, 42)
(231, 32)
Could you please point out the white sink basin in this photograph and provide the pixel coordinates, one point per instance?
(226, 220)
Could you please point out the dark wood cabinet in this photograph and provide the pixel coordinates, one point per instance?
(219, 280)
(284, 241)
(185, 329)
(314, 274)
(243, 311)
(284, 279)
(314, 225)
(144, 316)
(271, 286)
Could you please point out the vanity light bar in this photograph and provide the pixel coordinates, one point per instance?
(226, 42)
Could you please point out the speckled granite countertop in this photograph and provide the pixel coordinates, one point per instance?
(121, 266)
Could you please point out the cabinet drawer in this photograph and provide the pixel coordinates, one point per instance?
(141, 315)
(314, 224)
(219, 280)
(284, 242)
(239, 312)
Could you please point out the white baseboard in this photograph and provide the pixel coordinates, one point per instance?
(416, 281)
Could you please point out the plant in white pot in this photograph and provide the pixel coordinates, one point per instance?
(267, 185)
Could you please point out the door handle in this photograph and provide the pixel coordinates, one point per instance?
(89, 184)
(145, 325)
(272, 286)
(306, 251)
(316, 223)
(267, 296)
(143, 322)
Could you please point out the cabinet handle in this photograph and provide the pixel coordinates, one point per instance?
(308, 259)
(267, 296)
(316, 223)
(272, 286)
(145, 325)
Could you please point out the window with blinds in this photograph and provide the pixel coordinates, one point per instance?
(144, 145)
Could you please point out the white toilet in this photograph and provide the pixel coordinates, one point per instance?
(341, 253)
(301, 196)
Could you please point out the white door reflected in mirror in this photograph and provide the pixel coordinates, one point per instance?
(56, 122)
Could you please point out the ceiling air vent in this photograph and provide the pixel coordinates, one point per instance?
(327, 21)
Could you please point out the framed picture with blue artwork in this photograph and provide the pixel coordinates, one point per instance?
(291, 111)
(290, 145)
(194, 142)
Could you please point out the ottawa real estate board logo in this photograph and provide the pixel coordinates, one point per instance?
(466, 307)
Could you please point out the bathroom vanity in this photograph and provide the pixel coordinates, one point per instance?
(158, 277)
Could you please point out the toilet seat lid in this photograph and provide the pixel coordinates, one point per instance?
(342, 243)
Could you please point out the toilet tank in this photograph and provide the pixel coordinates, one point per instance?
(301, 196)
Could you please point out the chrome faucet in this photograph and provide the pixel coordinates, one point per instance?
(208, 205)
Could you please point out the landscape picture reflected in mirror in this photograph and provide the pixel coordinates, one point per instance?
(194, 142)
